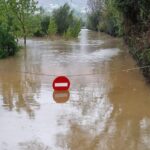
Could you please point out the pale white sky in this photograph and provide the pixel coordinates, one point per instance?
(76, 4)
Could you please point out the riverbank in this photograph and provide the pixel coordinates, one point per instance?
(127, 19)
(138, 41)
(137, 38)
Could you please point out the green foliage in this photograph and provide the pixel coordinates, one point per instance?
(107, 19)
(61, 22)
(74, 30)
(52, 29)
(102, 26)
(45, 24)
(93, 20)
(21, 20)
(134, 10)
(22, 10)
(112, 19)
(38, 33)
(64, 18)
(34, 24)
(8, 45)
(40, 24)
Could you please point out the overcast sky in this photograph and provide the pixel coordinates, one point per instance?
(80, 5)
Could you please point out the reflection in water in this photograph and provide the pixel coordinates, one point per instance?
(108, 110)
(61, 96)
(17, 89)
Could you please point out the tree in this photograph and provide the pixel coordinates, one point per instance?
(8, 45)
(73, 30)
(44, 24)
(134, 10)
(96, 5)
(112, 19)
(52, 29)
(93, 20)
(105, 17)
(22, 10)
(96, 8)
(63, 17)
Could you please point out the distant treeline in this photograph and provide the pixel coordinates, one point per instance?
(62, 21)
(105, 17)
(23, 18)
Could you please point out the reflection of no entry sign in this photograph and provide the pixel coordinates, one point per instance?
(61, 83)
(61, 96)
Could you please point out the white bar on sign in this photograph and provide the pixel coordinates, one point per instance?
(61, 84)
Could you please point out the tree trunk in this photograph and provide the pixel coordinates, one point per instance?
(25, 40)
(24, 36)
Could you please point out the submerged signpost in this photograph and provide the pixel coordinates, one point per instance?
(61, 87)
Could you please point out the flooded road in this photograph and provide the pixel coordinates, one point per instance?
(108, 108)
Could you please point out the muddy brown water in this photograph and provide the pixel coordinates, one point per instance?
(108, 108)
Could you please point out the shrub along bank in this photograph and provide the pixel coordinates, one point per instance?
(8, 44)
(129, 19)
(61, 22)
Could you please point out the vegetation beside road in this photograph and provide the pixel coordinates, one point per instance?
(128, 19)
(23, 19)
(61, 22)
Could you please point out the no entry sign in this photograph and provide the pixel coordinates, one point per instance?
(61, 83)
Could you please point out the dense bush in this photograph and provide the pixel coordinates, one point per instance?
(63, 17)
(8, 45)
(52, 29)
(74, 30)
(134, 10)
(93, 20)
(107, 19)
(40, 24)
(112, 19)
(61, 22)
(44, 24)
(136, 16)
(39, 33)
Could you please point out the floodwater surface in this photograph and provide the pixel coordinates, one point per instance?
(108, 106)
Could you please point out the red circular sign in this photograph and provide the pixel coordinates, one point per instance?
(61, 83)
